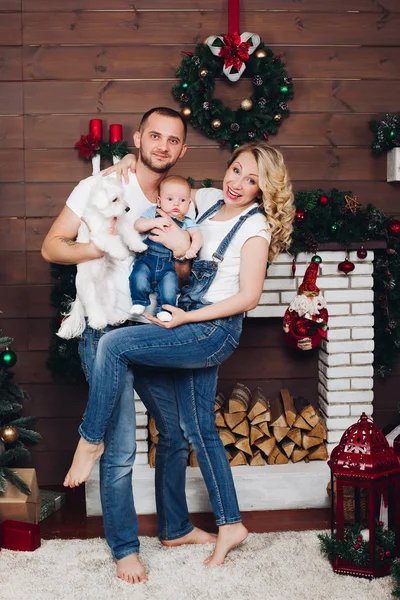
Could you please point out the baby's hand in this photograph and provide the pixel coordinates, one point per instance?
(191, 254)
(162, 223)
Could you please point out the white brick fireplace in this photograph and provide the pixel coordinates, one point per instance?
(345, 390)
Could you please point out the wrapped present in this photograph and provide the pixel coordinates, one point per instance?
(15, 505)
(51, 501)
(15, 535)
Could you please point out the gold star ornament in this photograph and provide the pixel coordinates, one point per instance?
(352, 204)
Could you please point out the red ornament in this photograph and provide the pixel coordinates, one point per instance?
(300, 215)
(359, 538)
(387, 553)
(394, 227)
(356, 546)
(323, 200)
(96, 128)
(88, 146)
(346, 266)
(362, 253)
(115, 133)
(234, 52)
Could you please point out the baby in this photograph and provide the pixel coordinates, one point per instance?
(154, 271)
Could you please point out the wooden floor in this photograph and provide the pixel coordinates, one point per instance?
(71, 521)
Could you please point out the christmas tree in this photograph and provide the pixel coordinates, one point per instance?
(14, 430)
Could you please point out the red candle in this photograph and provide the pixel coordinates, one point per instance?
(96, 128)
(115, 133)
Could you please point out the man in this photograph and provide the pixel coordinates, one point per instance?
(161, 142)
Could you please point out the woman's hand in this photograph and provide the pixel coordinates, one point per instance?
(122, 168)
(179, 317)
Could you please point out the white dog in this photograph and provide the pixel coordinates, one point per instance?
(95, 293)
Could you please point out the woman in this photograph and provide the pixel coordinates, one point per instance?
(243, 226)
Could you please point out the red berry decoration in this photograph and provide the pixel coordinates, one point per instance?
(323, 200)
(362, 253)
(356, 546)
(346, 266)
(394, 227)
(359, 538)
(300, 215)
(387, 553)
(381, 523)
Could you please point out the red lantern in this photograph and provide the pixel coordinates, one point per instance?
(346, 266)
(300, 215)
(363, 460)
(323, 200)
(362, 253)
(394, 227)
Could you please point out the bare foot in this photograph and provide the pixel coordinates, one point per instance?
(229, 536)
(82, 464)
(131, 569)
(196, 536)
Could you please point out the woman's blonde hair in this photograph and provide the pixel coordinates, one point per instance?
(277, 194)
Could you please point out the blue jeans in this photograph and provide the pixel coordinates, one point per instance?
(196, 350)
(157, 390)
(153, 273)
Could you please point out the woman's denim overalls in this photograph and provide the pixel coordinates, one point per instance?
(190, 355)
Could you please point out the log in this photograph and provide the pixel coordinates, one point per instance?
(295, 435)
(152, 456)
(153, 431)
(255, 434)
(301, 424)
(319, 431)
(289, 408)
(310, 415)
(227, 437)
(219, 401)
(280, 432)
(300, 403)
(234, 419)
(266, 445)
(277, 457)
(239, 399)
(242, 429)
(258, 404)
(308, 441)
(278, 418)
(238, 458)
(244, 445)
(265, 429)
(262, 418)
(298, 454)
(319, 453)
(193, 462)
(288, 447)
(256, 460)
(219, 419)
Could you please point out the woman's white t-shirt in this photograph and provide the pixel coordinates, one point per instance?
(226, 282)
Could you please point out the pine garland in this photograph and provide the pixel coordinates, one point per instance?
(355, 549)
(386, 133)
(395, 571)
(259, 116)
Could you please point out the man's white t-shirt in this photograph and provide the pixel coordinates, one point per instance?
(138, 204)
(226, 282)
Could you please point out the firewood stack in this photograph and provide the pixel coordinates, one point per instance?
(254, 429)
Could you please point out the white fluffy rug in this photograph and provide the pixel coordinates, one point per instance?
(269, 566)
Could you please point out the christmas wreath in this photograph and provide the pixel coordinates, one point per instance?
(259, 116)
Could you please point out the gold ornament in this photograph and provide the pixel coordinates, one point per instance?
(246, 104)
(261, 54)
(203, 72)
(352, 204)
(278, 117)
(216, 124)
(186, 112)
(9, 434)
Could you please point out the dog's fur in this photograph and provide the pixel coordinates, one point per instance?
(95, 293)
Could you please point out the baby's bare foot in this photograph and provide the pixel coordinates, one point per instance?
(82, 464)
(229, 536)
(131, 569)
(196, 536)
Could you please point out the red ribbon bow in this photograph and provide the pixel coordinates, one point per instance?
(235, 52)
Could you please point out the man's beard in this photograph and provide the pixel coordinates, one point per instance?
(148, 161)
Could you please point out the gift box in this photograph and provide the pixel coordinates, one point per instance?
(15, 535)
(16, 506)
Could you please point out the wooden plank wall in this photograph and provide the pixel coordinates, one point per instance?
(62, 63)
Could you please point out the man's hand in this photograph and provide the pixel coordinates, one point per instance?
(122, 168)
(173, 237)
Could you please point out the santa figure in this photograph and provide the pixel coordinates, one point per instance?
(306, 320)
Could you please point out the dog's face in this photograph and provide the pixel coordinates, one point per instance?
(108, 197)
